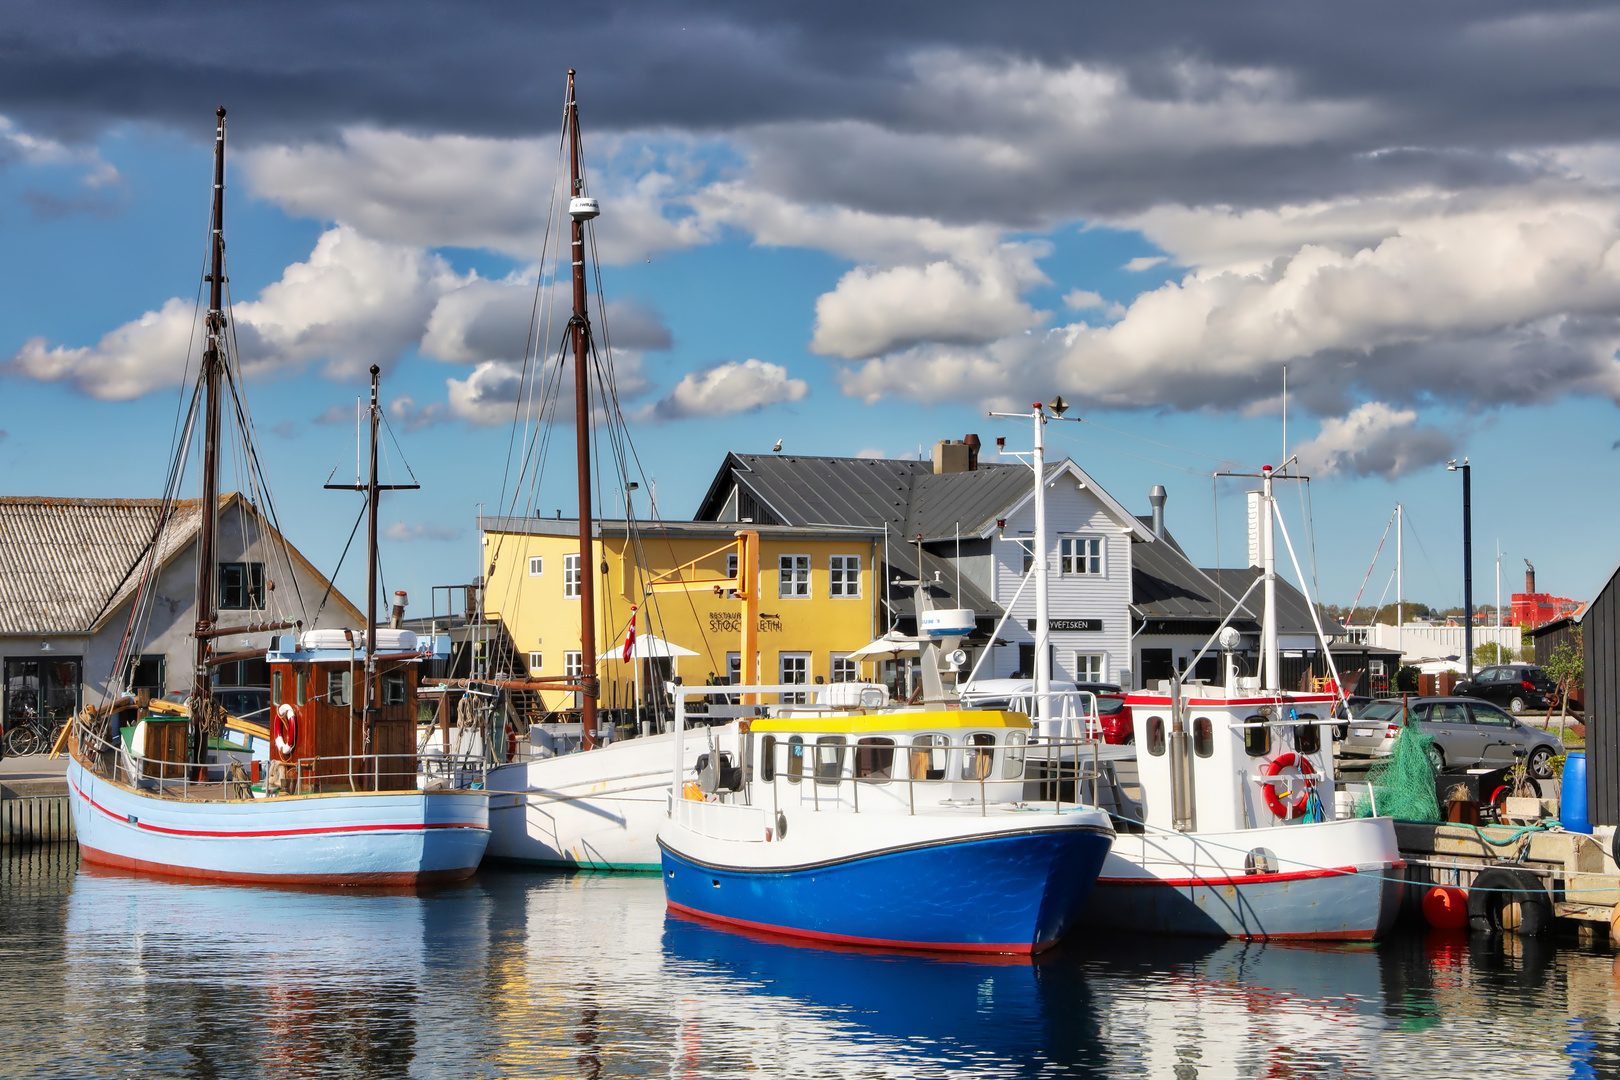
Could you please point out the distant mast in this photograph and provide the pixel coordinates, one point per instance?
(580, 210)
(202, 690)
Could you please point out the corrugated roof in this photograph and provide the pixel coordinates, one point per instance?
(1166, 585)
(62, 559)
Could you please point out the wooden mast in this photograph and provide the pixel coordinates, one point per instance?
(372, 712)
(202, 691)
(579, 327)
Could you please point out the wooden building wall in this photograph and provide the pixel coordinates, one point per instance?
(1601, 625)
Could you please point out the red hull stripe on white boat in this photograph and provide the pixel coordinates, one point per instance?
(97, 857)
(244, 833)
(1241, 879)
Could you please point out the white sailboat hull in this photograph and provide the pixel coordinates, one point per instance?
(594, 810)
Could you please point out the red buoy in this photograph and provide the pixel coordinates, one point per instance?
(1446, 908)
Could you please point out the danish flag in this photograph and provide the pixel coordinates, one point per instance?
(630, 636)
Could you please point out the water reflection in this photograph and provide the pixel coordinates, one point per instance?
(584, 976)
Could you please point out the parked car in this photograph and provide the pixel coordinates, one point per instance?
(1515, 687)
(1468, 733)
(1115, 717)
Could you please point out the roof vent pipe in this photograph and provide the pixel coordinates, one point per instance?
(1156, 499)
(973, 445)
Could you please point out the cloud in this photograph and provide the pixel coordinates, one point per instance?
(499, 194)
(1521, 289)
(728, 388)
(874, 311)
(871, 452)
(353, 303)
(500, 320)
(1145, 262)
(401, 531)
(336, 414)
(1375, 440)
(405, 412)
(1085, 300)
(287, 429)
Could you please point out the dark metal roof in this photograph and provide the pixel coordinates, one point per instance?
(906, 496)
(1166, 585)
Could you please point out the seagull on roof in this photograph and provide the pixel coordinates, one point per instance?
(777, 449)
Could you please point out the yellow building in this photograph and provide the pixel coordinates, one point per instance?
(818, 599)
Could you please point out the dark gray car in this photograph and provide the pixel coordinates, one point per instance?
(1468, 734)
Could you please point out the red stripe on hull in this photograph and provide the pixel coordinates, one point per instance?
(255, 834)
(186, 873)
(1239, 879)
(877, 943)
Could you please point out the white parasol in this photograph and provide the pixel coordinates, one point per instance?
(893, 642)
(647, 647)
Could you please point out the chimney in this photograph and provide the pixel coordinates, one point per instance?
(397, 616)
(951, 456)
(1529, 577)
(973, 445)
(1156, 499)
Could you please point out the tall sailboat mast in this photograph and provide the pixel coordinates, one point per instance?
(580, 210)
(202, 686)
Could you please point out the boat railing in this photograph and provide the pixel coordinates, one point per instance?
(229, 776)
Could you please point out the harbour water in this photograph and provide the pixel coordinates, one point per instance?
(540, 975)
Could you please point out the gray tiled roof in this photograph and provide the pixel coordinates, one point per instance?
(63, 561)
(1166, 585)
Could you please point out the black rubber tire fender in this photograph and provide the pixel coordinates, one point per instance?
(1497, 887)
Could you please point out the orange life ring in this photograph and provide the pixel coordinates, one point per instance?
(284, 730)
(1295, 806)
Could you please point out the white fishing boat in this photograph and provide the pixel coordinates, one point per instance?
(1241, 831)
(338, 798)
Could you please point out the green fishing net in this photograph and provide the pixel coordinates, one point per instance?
(1403, 783)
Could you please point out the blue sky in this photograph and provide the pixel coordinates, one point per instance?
(1153, 227)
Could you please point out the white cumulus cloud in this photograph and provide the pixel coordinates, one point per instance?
(1375, 440)
(728, 388)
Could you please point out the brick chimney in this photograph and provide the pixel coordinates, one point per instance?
(1529, 577)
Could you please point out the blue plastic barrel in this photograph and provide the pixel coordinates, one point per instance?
(1572, 799)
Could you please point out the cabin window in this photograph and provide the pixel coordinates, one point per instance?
(275, 688)
(767, 758)
(874, 759)
(1203, 737)
(830, 759)
(928, 756)
(1012, 761)
(1257, 739)
(241, 585)
(303, 686)
(795, 759)
(1308, 737)
(1155, 735)
(393, 688)
(337, 688)
(978, 756)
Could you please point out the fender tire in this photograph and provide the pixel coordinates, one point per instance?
(1496, 889)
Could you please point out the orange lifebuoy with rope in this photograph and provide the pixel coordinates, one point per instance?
(1289, 804)
(284, 730)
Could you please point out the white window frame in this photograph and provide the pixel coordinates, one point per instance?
(571, 577)
(1026, 549)
(789, 584)
(1084, 674)
(536, 662)
(573, 664)
(844, 576)
(838, 658)
(537, 565)
(782, 661)
(339, 687)
(1077, 554)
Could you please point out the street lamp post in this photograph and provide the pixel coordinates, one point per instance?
(1468, 564)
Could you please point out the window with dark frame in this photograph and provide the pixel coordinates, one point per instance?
(393, 688)
(241, 586)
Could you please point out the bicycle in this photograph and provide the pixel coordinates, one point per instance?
(31, 734)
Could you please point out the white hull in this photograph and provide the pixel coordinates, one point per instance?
(594, 810)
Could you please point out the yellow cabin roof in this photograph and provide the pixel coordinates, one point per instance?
(868, 723)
